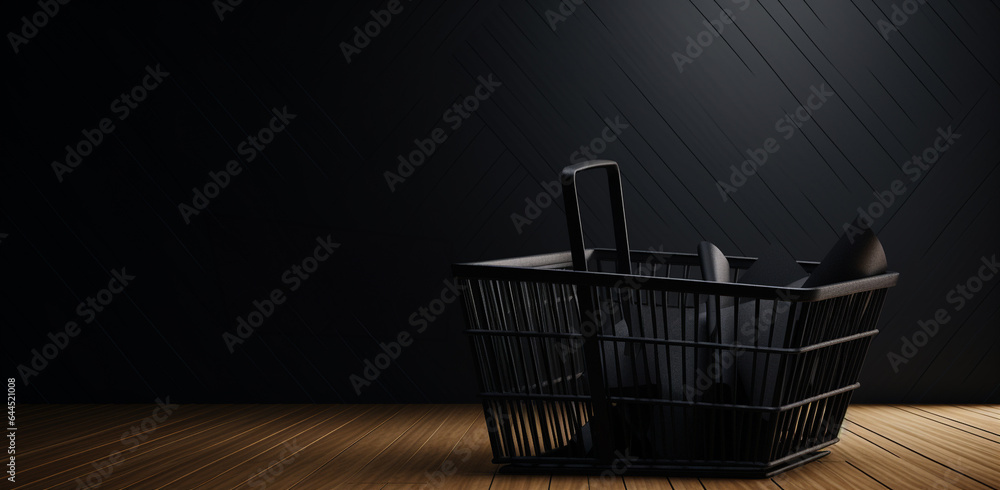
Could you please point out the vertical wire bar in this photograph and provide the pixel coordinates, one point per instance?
(528, 361)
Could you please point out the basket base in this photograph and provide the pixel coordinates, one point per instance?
(663, 470)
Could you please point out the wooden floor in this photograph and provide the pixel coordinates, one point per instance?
(442, 446)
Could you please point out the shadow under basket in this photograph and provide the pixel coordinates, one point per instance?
(657, 371)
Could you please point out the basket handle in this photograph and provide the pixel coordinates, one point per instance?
(575, 224)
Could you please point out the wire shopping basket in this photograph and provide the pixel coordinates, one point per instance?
(596, 359)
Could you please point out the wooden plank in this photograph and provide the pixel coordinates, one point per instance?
(606, 482)
(971, 456)
(42, 433)
(835, 474)
(980, 409)
(36, 446)
(905, 469)
(654, 483)
(471, 460)
(82, 462)
(568, 482)
(519, 482)
(447, 446)
(850, 444)
(471, 481)
(733, 484)
(188, 457)
(987, 408)
(404, 449)
(432, 456)
(100, 444)
(985, 428)
(63, 430)
(856, 444)
(836, 453)
(337, 464)
(473, 453)
(684, 483)
(318, 445)
(982, 422)
(174, 452)
(276, 443)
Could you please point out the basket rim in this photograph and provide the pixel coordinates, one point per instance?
(546, 268)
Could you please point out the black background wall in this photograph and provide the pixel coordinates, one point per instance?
(563, 72)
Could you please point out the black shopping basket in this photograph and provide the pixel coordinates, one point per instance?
(599, 360)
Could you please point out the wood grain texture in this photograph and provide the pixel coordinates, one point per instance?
(402, 447)
(950, 448)
(569, 482)
(658, 483)
(986, 427)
